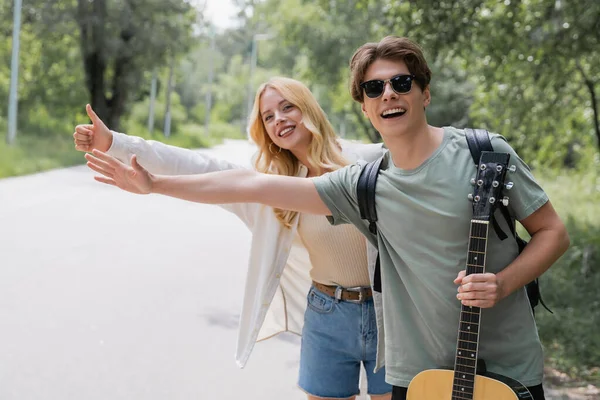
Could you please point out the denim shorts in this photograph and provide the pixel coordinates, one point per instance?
(337, 337)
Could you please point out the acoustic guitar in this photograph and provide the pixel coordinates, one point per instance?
(466, 381)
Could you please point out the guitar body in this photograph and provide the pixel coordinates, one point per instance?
(436, 384)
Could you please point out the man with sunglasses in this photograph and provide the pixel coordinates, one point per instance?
(423, 224)
(423, 229)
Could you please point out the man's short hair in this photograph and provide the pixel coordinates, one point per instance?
(391, 48)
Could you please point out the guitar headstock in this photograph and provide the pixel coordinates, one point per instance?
(489, 184)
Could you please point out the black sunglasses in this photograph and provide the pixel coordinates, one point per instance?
(400, 83)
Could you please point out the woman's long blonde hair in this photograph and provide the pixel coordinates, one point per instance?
(324, 152)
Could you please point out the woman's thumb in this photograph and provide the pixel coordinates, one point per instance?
(92, 115)
(134, 163)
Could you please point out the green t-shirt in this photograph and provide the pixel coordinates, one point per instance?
(423, 220)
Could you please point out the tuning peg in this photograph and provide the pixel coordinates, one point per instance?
(470, 196)
(505, 201)
(508, 185)
(512, 168)
(473, 181)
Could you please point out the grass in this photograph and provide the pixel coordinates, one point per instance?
(34, 154)
(570, 287)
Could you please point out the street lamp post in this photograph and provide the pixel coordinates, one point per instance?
(152, 100)
(210, 80)
(14, 75)
(253, 62)
(167, 128)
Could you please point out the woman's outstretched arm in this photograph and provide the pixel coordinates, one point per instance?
(232, 186)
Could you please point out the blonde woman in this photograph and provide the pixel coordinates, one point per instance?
(304, 275)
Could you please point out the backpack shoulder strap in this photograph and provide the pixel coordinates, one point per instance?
(478, 141)
(365, 193)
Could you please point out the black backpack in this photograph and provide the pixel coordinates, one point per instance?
(478, 141)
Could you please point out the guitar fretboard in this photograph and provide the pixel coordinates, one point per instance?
(465, 365)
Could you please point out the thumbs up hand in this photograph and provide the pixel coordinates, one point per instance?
(95, 136)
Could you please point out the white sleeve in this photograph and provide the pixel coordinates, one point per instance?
(162, 159)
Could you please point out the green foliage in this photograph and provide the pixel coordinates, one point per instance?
(220, 130)
(528, 70)
(140, 112)
(535, 65)
(50, 71)
(570, 287)
(562, 140)
(33, 154)
(450, 86)
(231, 92)
(314, 41)
(120, 41)
(60, 38)
(192, 79)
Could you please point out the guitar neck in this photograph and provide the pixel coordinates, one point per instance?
(465, 364)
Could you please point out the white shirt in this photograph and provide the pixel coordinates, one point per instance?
(278, 278)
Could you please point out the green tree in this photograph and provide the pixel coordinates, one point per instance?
(315, 40)
(104, 47)
(192, 77)
(539, 60)
(119, 40)
(50, 73)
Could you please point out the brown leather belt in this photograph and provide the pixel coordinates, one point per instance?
(353, 294)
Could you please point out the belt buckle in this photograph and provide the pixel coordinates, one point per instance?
(361, 294)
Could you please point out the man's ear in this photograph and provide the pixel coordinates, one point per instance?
(364, 110)
(426, 97)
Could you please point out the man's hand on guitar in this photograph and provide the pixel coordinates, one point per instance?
(478, 290)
